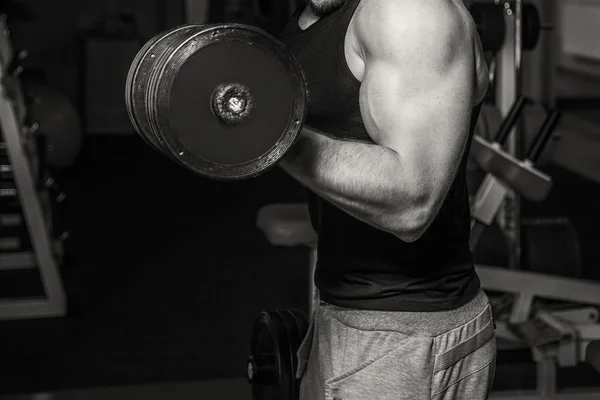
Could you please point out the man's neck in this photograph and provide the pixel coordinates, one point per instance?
(307, 18)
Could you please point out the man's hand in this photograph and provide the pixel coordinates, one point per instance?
(418, 90)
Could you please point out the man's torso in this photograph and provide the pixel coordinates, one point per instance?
(358, 265)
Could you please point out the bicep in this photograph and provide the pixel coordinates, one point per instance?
(421, 110)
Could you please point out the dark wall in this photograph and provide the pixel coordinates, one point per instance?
(91, 71)
(51, 38)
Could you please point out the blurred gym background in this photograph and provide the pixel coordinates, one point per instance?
(164, 271)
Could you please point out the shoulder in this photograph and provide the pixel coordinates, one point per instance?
(437, 28)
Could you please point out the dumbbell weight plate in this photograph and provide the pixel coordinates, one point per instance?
(269, 364)
(263, 368)
(138, 77)
(294, 333)
(301, 322)
(302, 325)
(531, 26)
(227, 102)
(289, 327)
(136, 84)
(490, 24)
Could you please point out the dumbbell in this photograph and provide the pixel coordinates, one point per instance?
(491, 26)
(272, 364)
(224, 101)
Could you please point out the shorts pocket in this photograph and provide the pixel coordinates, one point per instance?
(466, 370)
(375, 364)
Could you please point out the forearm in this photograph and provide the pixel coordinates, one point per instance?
(365, 180)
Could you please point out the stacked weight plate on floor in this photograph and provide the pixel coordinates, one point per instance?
(224, 101)
(272, 364)
(491, 26)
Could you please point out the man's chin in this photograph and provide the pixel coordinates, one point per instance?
(322, 8)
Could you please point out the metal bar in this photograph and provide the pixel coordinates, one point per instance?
(588, 332)
(539, 285)
(9, 244)
(513, 115)
(14, 309)
(7, 52)
(521, 308)
(17, 261)
(518, 144)
(543, 135)
(55, 304)
(546, 377)
(507, 93)
(10, 220)
(580, 315)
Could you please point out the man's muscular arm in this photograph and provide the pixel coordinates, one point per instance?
(416, 97)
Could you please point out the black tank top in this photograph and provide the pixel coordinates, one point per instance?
(358, 265)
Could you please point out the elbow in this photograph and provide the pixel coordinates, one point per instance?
(412, 224)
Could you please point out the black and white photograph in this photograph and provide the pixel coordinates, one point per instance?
(300, 200)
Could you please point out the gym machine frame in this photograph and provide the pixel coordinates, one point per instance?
(578, 326)
(54, 303)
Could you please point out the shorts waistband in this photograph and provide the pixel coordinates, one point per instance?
(409, 322)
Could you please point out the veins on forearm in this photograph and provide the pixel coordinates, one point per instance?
(362, 179)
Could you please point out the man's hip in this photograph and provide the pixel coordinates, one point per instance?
(357, 354)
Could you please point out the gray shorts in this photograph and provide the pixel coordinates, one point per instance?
(379, 355)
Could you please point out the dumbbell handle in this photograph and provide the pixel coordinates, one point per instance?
(543, 136)
(511, 119)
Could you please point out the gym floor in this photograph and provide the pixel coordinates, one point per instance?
(234, 389)
(166, 272)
